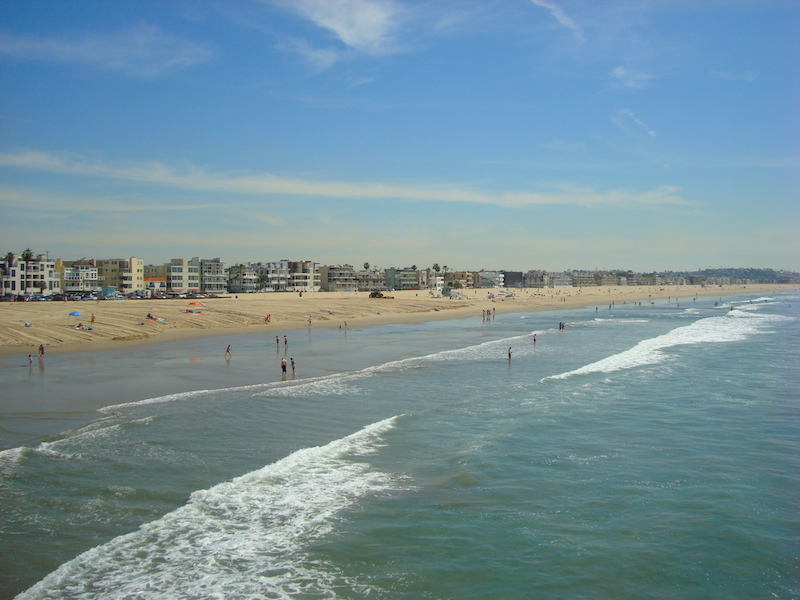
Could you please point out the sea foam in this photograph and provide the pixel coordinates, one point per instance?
(239, 539)
(735, 325)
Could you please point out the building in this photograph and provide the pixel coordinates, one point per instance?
(213, 279)
(460, 279)
(339, 278)
(155, 286)
(370, 280)
(78, 276)
(303, 276)
(406, 278)
(242, 279)
(512, 279)
(557, 280)
(29, 274)
(491, 279)
(534, 279)
(124, 274)
(182, 276)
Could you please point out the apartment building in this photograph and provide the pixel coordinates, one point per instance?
(242, 279)
(124, 274)
(78, 276)
(370, 280)
(338, 278)
(213, 279)
(406, 278)
(29, 274)
(182, 276)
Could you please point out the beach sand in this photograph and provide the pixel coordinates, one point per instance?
(117, 324)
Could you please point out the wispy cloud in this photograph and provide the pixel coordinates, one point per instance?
(629, 78)
(367, 26)
(142, 51)
(624, 118)
(558, 13)
(273, 185)
(745, 76)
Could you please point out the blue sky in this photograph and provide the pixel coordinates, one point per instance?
(492, 134)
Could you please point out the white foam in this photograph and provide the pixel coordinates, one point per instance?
(337, 384)
(239, 539)
(733, 326)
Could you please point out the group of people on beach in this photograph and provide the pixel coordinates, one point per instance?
(284, 363)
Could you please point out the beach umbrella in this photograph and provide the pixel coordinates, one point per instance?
(75, 314)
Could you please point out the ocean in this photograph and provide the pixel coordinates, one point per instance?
(643, 451)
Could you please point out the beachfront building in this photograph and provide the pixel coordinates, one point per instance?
(460, 279)
(513, 279)
(534, 279)
(303, 276)
(557, 280)
(338, 278)
(242, 279)
(155, 286)
(370, 280)
(491, 279)
(78, 276)
(28, 274)
(126, 275)
(406, 278)
(213, 279)
(585, 279)
(182, 277)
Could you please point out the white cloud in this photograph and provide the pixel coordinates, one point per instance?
(558, 13)
(624, 118)
(273, 185)
(142, 51)
(629, 78)
(745, 76)
(364, 25)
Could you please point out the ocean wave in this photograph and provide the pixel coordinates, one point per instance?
(337, 383)
(733, 326)
(241, 538)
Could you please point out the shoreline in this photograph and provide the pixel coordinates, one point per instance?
(123, 324)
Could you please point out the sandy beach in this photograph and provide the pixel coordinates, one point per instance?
(115, 324)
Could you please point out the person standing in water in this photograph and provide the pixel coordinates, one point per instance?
(283, 366)
(293, 365)
(509, 353)
(228, 351)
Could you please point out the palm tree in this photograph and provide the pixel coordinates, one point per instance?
(366, 266)
(27, 254)
(413, 267)
(436, 268)
(9, 259)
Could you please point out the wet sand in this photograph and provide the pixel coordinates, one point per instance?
(114, 324)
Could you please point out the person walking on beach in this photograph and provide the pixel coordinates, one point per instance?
(228, 351)
(283, 366)
(41, 350)
(30, 359)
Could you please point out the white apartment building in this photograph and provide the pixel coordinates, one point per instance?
(182, 276)
(213, 279)
(78, 276)
(29, 274)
